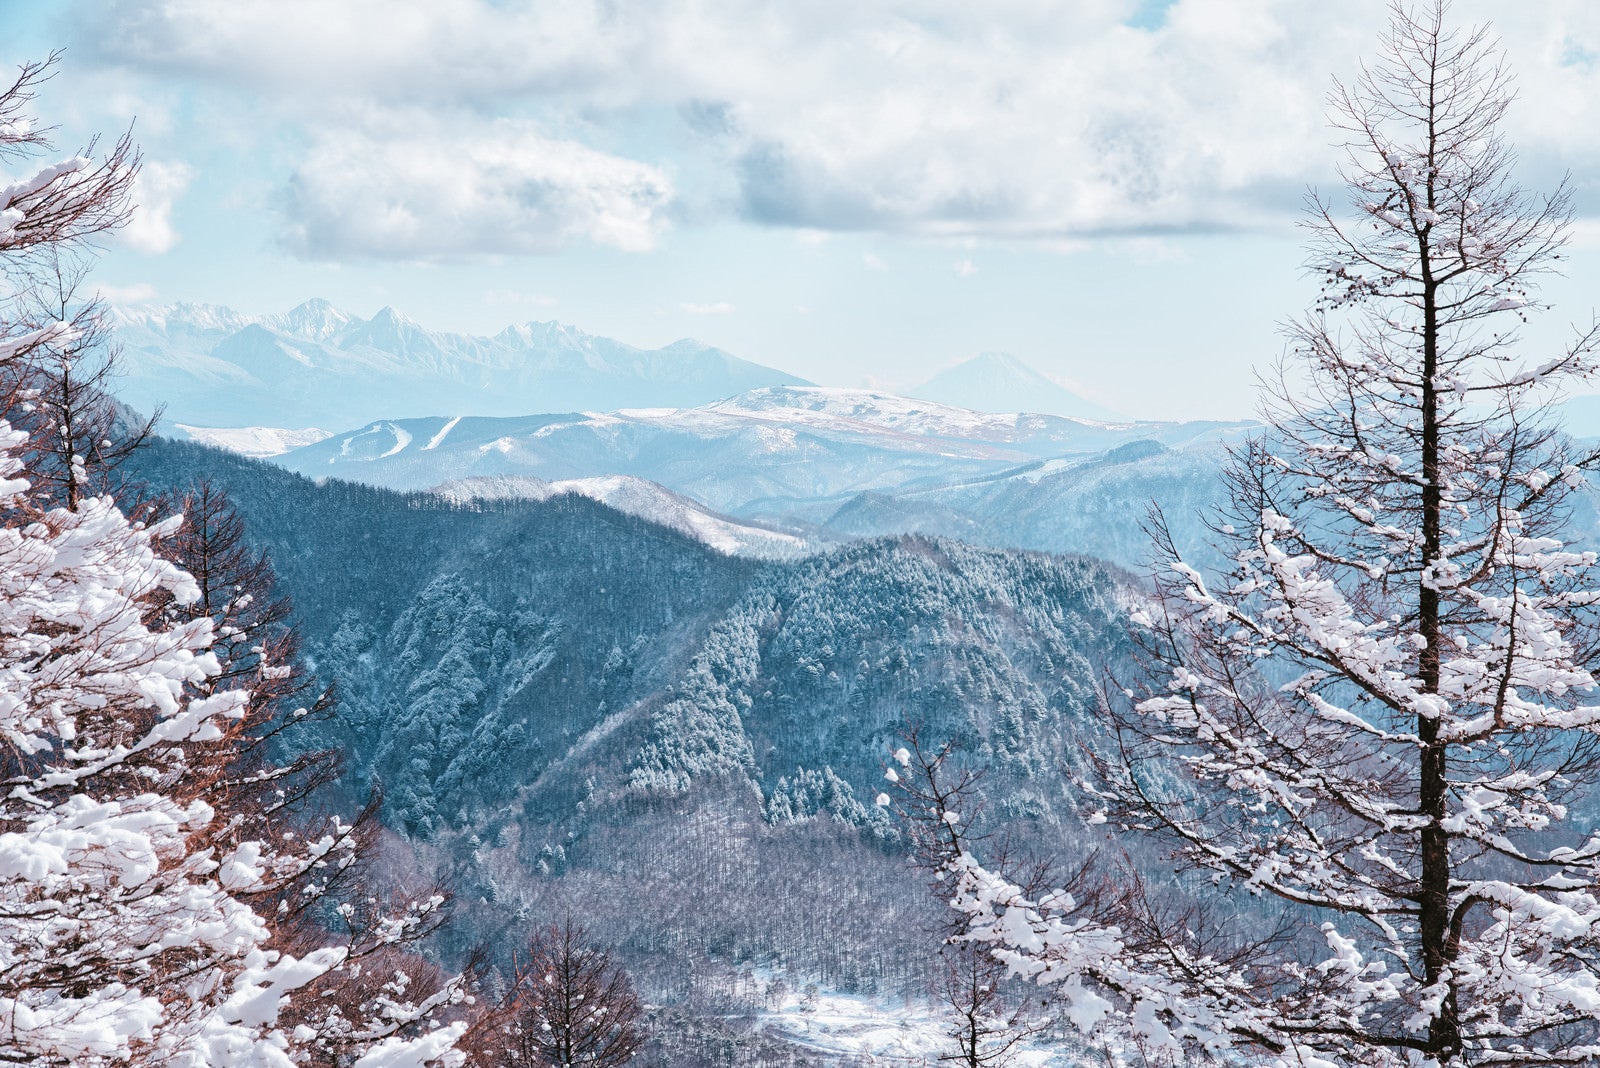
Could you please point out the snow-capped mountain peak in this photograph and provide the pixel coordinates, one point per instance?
(317, 364)
(316, 318)
(183, 315)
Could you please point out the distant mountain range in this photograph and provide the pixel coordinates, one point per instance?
(743, 458)
(760, 451)
(820, 464)
(316, 365)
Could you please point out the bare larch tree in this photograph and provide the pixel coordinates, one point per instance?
(570, 1004)
(1377, 724)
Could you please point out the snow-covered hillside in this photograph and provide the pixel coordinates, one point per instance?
(257, 441)
(858, 411)
(821, 463)
(318, 365)
(764, 451)
(642, 498)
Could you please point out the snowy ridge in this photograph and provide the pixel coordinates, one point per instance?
(791, 452)
(641, 498)
(834, 408)
(317, 364)
(259, 442)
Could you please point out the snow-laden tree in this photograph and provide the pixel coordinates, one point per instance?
(137, 852)
(381, 989)
(1371, 741)
(79, 433)
(125, 936)
(985, 1020)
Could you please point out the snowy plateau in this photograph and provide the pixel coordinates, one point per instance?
(817, 464)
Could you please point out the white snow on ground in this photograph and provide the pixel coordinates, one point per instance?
(825, 406)
(433, 442)
(1049, 467)
(256, 441)
(773, 416)
(893, 1033)
(642, 498)
(402, 438)
(507, 445)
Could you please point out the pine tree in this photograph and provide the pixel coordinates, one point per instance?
(1371, 744)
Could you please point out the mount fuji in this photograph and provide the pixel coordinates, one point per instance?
(999, 382)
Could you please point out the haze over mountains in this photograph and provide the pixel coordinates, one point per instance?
(747, 459)
(825, 464)
(646, 661)
(776, 444)
(318, 366)
(999, 382)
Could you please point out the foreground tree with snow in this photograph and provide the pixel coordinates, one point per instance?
(986, 1022)
(569, 1004)
(157, 890)
(1372, 743)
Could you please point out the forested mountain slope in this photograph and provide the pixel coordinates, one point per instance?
(496, 622)
(549, 690)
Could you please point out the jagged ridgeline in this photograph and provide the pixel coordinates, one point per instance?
(548, 691)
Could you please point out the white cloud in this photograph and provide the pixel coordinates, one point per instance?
(138, 293)
(1586, 234)
(721, 307)
(873, 263)
(1007, 119)
(155, 190)
(965, 268)
(435, 190)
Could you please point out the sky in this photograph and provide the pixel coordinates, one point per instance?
(860, 192)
